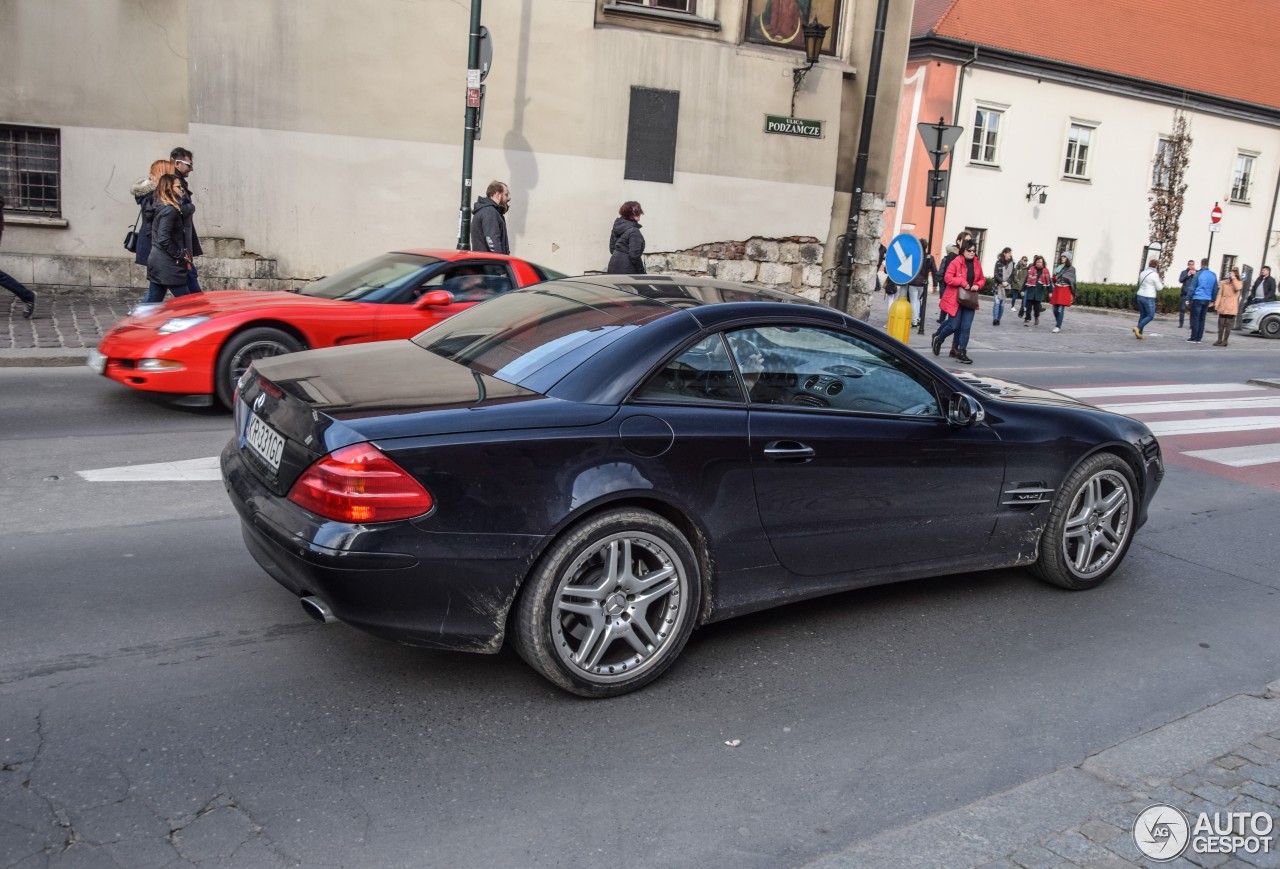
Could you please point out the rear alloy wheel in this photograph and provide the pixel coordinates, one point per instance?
(1091, 524)
(243, 350)
(611, 604)
(1271, 327)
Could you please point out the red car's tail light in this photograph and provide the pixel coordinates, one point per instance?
(360, 483)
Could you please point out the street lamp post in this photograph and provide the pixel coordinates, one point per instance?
(469, 135)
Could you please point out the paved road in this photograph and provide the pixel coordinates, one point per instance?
(162, 699)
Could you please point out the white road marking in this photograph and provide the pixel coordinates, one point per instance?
(1240, 457)
(1206, 426)
(1145, 407)
(189, 469)
(1170, 389)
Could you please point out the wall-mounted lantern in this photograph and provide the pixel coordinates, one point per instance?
(815, 33)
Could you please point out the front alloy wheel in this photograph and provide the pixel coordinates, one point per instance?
(611, 604)
(1090, 525)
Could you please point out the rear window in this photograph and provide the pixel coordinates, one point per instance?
(516, 335)
(546, 274)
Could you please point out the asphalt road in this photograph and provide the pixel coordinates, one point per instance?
(162, 699)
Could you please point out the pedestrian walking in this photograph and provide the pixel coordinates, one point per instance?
(626, 243)
(953, 253)
(170, 258)
(1002, 281)
(1020, 281)
(919, 289)
(1264, 282)
(1188, 282)
(12, 284)
(959, 300)
(143, 191)
(1226, 304)
(1205, 291)
(489, 221)
(184, 165)
(1149, 285)
(1035, 290)
(1064, 290)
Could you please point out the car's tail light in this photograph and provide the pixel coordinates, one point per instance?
(360, 483)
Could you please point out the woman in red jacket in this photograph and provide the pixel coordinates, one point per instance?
(965, 272)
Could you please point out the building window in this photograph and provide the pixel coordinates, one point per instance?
(1160, 166)
(1241, 177)
(986, 132)
(1067, 246)
(698, 16)
(1079, 139)
(1228, 263)
(687, 6)
(979, 240)
(781, 24)
(651, 135)
(30, 166)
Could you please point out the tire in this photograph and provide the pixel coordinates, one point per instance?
(1091, 524)
(242, 350)
(601, 632)
(1271, 327)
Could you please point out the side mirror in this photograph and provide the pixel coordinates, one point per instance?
(434, 299)
(964, 410)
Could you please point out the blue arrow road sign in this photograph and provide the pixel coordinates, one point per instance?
(903, 259)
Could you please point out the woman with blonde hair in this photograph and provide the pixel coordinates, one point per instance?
(143, 191)
(170, 257)
(1226, 304)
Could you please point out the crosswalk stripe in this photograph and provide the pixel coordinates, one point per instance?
(1169, 389)
(1240, 457)
(1183, 406)
(189, 469)
(1206, 426)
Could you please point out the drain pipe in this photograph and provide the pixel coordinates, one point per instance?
(955, 113)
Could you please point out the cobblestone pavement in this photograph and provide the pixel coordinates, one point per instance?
(60, 321)
(1224, 758)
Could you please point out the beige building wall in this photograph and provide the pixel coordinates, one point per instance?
(326, 130)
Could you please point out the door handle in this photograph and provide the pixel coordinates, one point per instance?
(780, 451)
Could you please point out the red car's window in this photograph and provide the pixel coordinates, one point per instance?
(375, 280)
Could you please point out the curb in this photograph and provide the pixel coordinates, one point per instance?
(43, 357)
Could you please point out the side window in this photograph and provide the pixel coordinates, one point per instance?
(806, 366)
(469, 282)
(700, 374)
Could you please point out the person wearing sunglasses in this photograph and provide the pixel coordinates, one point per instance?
(183, 164)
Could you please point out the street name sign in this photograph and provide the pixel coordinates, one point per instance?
(793, 126)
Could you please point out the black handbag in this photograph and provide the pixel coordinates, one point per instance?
(131, 237)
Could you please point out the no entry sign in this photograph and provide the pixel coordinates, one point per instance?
(1215, 216)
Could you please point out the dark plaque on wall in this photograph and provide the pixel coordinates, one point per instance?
(651, 135)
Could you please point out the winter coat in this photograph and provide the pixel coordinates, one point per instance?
(188, 218)
(1228, 300)
(1206, 286)
(1064, 287)
(1020, 275)
(142, 191)
(927, 271)
(167, 264)
(1150, 283)
(488, 227)
(958, 276)
(1188, 281)
(626, 248)
(1036, 287)
(1268, 287)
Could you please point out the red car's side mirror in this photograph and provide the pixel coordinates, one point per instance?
(435, 298)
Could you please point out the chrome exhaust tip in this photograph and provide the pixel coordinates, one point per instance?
(318, 610)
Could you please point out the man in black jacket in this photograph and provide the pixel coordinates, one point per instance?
(12, 284)
(488, 223)
(1264, 282)
(183, 164)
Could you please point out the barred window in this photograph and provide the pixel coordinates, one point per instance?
(1241, 177)
(30, 170)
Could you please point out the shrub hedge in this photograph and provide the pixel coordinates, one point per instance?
(1121, 297)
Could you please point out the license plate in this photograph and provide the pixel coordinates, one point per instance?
(97, 362)
(264, 441)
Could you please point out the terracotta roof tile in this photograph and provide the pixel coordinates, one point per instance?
(1225, 49)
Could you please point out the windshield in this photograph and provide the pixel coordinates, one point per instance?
(387, 273)
(519, 334)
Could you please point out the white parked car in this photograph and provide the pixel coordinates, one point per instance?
(1262, 317)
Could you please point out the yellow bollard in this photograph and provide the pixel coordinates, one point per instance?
(900, 317)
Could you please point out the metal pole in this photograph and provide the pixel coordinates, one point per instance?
(844, 274)
(469, 135)
(1271, 222)
(1209, 256)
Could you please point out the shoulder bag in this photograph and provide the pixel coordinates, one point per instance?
(131, 237)
(967, 297)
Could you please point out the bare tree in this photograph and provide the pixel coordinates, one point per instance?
(1168, 186)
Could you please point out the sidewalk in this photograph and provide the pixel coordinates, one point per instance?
(62, 332)
(1225, 758)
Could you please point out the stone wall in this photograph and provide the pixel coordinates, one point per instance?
(226, 265)
(793, 263)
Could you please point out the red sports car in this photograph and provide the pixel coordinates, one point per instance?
(199, 345)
